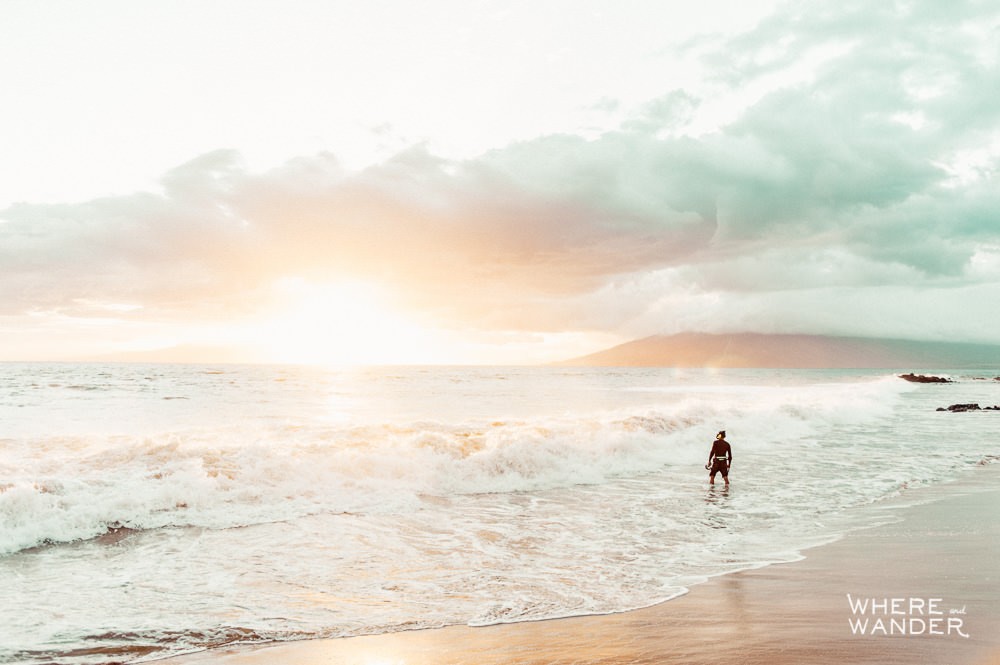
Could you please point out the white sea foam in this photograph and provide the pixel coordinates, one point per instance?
(410, 498)
(64, 489)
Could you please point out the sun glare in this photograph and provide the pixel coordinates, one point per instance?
(345, 323)
(354, 323)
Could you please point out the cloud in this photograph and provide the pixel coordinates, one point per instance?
(836, 180)
(174, 246)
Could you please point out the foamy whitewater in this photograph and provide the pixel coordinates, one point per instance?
(150, 510)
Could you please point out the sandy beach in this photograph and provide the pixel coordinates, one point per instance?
(931, 574)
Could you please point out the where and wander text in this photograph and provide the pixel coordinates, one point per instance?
(922, 617)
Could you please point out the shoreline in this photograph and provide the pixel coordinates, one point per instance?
(937, 558)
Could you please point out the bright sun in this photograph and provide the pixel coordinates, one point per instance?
(343, 323)
(354, 323)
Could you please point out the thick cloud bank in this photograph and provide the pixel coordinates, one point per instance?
(854, 192)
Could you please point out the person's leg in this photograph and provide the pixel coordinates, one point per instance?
(711, 476)
(725, 473)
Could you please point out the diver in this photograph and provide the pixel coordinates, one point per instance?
(720, 458)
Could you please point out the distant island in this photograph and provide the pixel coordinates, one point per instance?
(791, 351)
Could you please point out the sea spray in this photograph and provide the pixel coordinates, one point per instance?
(282, 503)
(239, 476)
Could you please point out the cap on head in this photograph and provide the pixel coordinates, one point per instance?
(721, 434)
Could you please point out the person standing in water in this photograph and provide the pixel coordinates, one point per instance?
(719, 458)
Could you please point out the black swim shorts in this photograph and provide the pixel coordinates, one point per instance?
(720, 465)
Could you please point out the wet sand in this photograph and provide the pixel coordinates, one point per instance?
(943, 555)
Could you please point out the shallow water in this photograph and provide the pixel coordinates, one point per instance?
(149, 510)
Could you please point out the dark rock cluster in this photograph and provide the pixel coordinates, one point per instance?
(920, 378)
(959, 408)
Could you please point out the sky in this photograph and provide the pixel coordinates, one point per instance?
(483, 181)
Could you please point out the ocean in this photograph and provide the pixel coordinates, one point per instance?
(155, 510)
